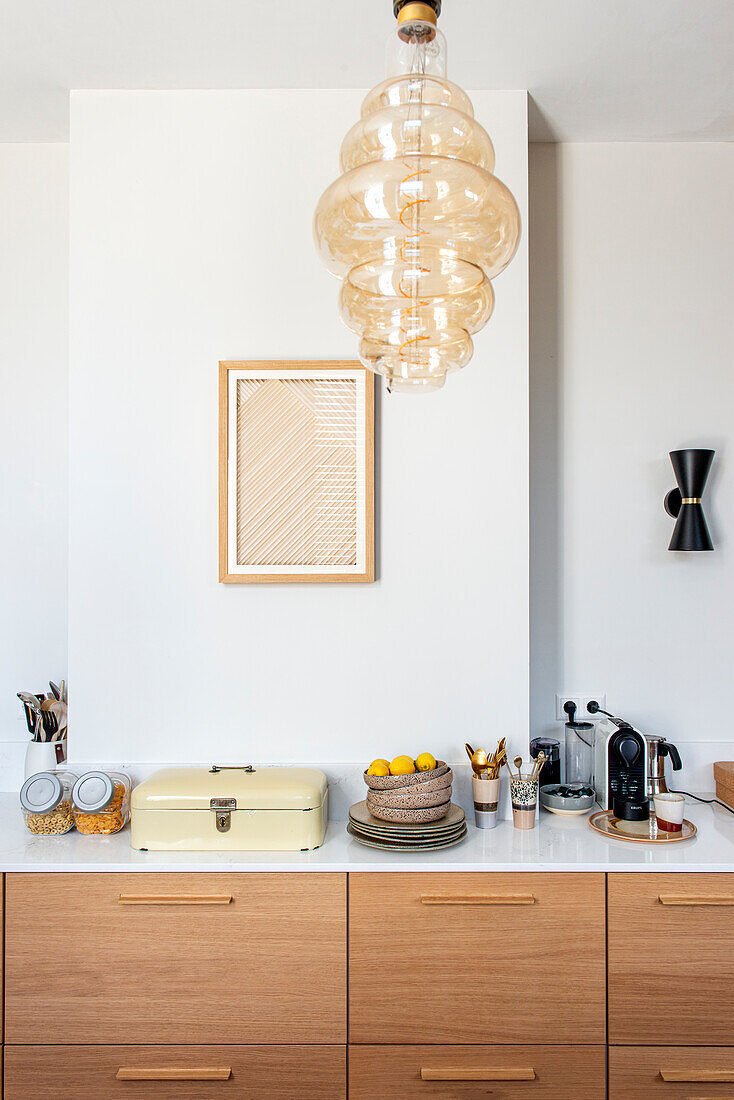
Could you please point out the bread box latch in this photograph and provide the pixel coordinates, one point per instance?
(222, 808)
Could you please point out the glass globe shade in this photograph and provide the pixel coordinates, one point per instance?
(417, 225)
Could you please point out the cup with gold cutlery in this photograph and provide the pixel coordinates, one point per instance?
(524, 791)
(486, 783)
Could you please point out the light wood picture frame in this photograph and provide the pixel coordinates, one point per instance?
(296, 472)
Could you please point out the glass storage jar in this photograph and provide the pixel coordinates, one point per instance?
(45, 799)
(101, 802)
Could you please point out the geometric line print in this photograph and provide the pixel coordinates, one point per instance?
(296, 472)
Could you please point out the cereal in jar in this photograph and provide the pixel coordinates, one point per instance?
(45, 799)
(101, 802)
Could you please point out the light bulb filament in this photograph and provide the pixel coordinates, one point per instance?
(413, 243)
(406, 208)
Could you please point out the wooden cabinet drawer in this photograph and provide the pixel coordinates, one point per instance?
(176, 958)
(671, 1073)
(471, 1072)
(176, 1073)
(477, 958)
(671, 944)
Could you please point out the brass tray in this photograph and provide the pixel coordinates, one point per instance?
(646, 832)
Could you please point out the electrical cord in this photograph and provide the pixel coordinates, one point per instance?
(594, 708)
(708, 801)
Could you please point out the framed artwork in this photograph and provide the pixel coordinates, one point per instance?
(296, 472)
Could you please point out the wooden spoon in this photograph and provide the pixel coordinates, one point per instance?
(60, 712)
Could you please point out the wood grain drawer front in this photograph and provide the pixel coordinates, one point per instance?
(471, 1072)
(269, 966)
(477, 958)
(176, 1073)
(671, 1073)
(671, 936)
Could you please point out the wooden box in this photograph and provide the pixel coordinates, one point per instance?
(724, 777)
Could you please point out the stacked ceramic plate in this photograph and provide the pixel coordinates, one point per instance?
(423, 836)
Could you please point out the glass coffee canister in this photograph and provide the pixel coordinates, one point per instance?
(101, 802)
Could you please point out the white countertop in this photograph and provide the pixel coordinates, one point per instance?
(556, 844)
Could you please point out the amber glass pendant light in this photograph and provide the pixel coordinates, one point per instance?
(418, 225)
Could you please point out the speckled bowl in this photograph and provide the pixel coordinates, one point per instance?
(410, 798)
(413, 817)
(394, 782)
(439, 784)
(565, 806)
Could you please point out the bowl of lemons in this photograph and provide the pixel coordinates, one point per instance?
(407, 789)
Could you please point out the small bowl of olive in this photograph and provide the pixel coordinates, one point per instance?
(567, 799)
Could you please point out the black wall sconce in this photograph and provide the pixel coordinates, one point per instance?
(691, 468)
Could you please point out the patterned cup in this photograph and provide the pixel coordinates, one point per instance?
(524, 795)
(486, 796)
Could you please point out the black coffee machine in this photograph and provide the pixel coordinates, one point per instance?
(621, 763)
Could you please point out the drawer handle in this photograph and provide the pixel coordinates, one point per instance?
(174, 899)
(697, 1076)
(511, 1074)
(174, 1073)
(477, 899)
(693, 899)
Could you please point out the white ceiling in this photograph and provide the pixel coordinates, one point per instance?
(620, 70)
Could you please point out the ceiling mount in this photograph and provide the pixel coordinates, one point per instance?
(417, 21)
(432, 13)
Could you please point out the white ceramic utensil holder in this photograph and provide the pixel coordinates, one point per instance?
(43, 756)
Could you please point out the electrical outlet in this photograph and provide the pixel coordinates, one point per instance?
(580, 699)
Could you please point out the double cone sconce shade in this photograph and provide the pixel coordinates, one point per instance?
(417, 226)
(691, 468)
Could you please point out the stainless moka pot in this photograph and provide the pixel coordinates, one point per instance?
(658, 749)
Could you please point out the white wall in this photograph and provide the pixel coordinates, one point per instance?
(631, 331)
(190, 243)
(33, 426)
(632, 355)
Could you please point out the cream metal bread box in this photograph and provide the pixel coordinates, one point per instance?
(230, 809)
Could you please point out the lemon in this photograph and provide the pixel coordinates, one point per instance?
(378, 767)
(383, 762)
(425, 762)
(402, 765)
